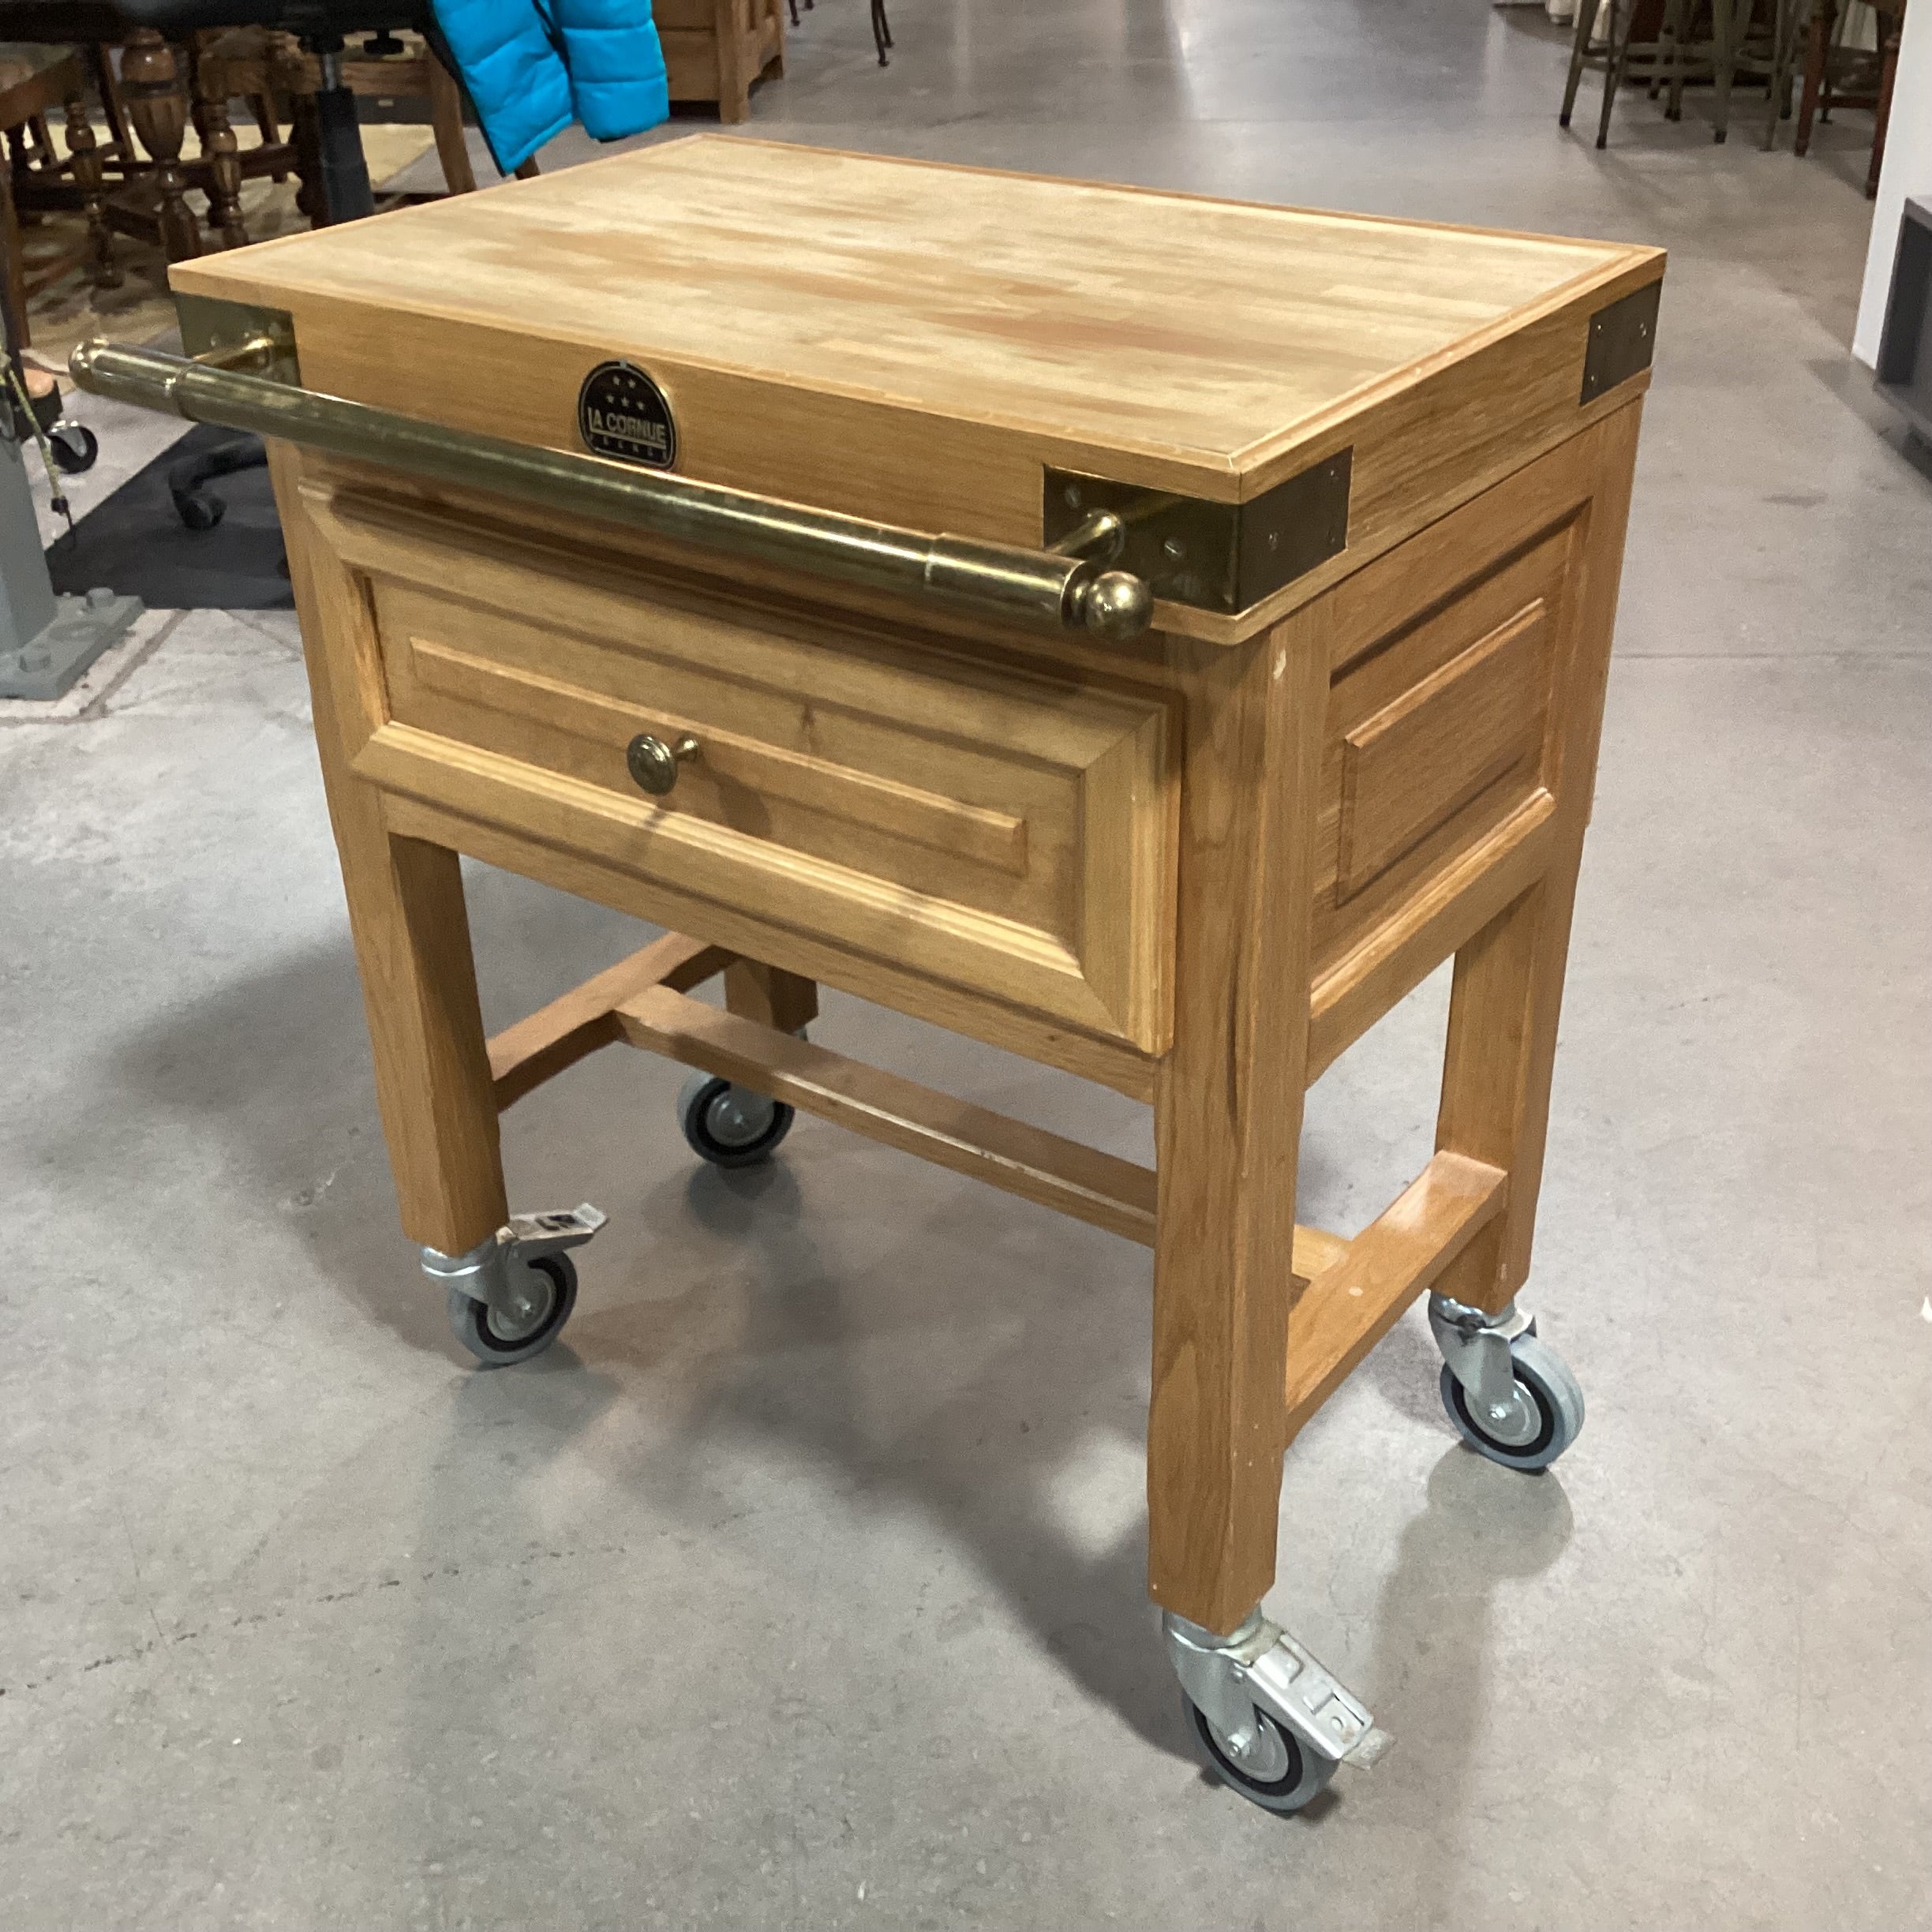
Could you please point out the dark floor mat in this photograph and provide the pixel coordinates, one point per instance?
(136, 544)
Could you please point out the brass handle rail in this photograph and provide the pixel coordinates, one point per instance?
(1047, 588)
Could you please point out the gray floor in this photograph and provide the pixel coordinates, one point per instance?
(801, 1587)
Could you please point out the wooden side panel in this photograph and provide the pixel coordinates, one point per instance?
(1413, 765)
(1507, 995)
(1452, 732)
(1436, 729)
(690, 64)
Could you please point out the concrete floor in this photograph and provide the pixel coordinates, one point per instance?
(801, 1584)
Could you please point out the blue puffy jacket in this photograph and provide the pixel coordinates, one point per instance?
(533, 66)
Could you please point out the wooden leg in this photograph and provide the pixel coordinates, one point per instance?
(1502, 1048)
(1680, 59)
(734, 82)
(768, 994)
(156, 97)
(108, 85)
(85, 153)
(1888, 38)
(432, 1079)
(1777, 86)
(1730, 22)
(1816, 52)
(410, 925)
(223, 153)
(527, 170)
(13, 272)
(1228, 1120)
(1508, 993)
(446, 118)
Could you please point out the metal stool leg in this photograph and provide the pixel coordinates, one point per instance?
(345, 193)
(1579, 48)
(1623, 16)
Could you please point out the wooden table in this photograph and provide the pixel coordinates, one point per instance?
(1375, 475)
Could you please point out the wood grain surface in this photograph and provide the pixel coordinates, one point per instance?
(915, 343)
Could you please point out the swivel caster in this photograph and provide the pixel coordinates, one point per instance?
(1266, 1718)
(74, 446)
(509, 1297)
(529, 1317)
(730, 1126)
(1511, 1397)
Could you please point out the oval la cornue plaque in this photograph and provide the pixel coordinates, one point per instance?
(622, 413)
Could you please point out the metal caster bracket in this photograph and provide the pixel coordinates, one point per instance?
(1261, 1668)
(1475, 1345)
(496, 1272)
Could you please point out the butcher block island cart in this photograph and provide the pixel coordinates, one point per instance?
(1145, 633)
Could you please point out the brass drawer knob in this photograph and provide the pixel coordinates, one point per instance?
(654, 764)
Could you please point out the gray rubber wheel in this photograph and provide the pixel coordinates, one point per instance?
(1553, 1395)
(730, 1126)
(497, 1337)
(1284, 1778)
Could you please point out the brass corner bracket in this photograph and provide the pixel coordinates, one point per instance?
(1216, 556)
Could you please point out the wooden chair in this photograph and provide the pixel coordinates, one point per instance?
(1836, 75)
(35, 79)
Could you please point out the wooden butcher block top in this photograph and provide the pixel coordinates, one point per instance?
(924, 344)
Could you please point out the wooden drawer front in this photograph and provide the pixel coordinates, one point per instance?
(1437, 734)
(1004, 832)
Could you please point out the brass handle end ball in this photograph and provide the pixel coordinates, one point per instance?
(1115, 605)
(654, 764)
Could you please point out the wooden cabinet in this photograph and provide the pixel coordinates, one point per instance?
(714, 50)
(1330, 512)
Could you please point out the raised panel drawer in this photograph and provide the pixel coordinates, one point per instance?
(1005, 832)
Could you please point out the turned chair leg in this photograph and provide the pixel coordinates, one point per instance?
(223, 153)
(85, 151)
(155, 91)
(14, 281)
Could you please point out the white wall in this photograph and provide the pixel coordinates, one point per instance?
(1907, 171)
